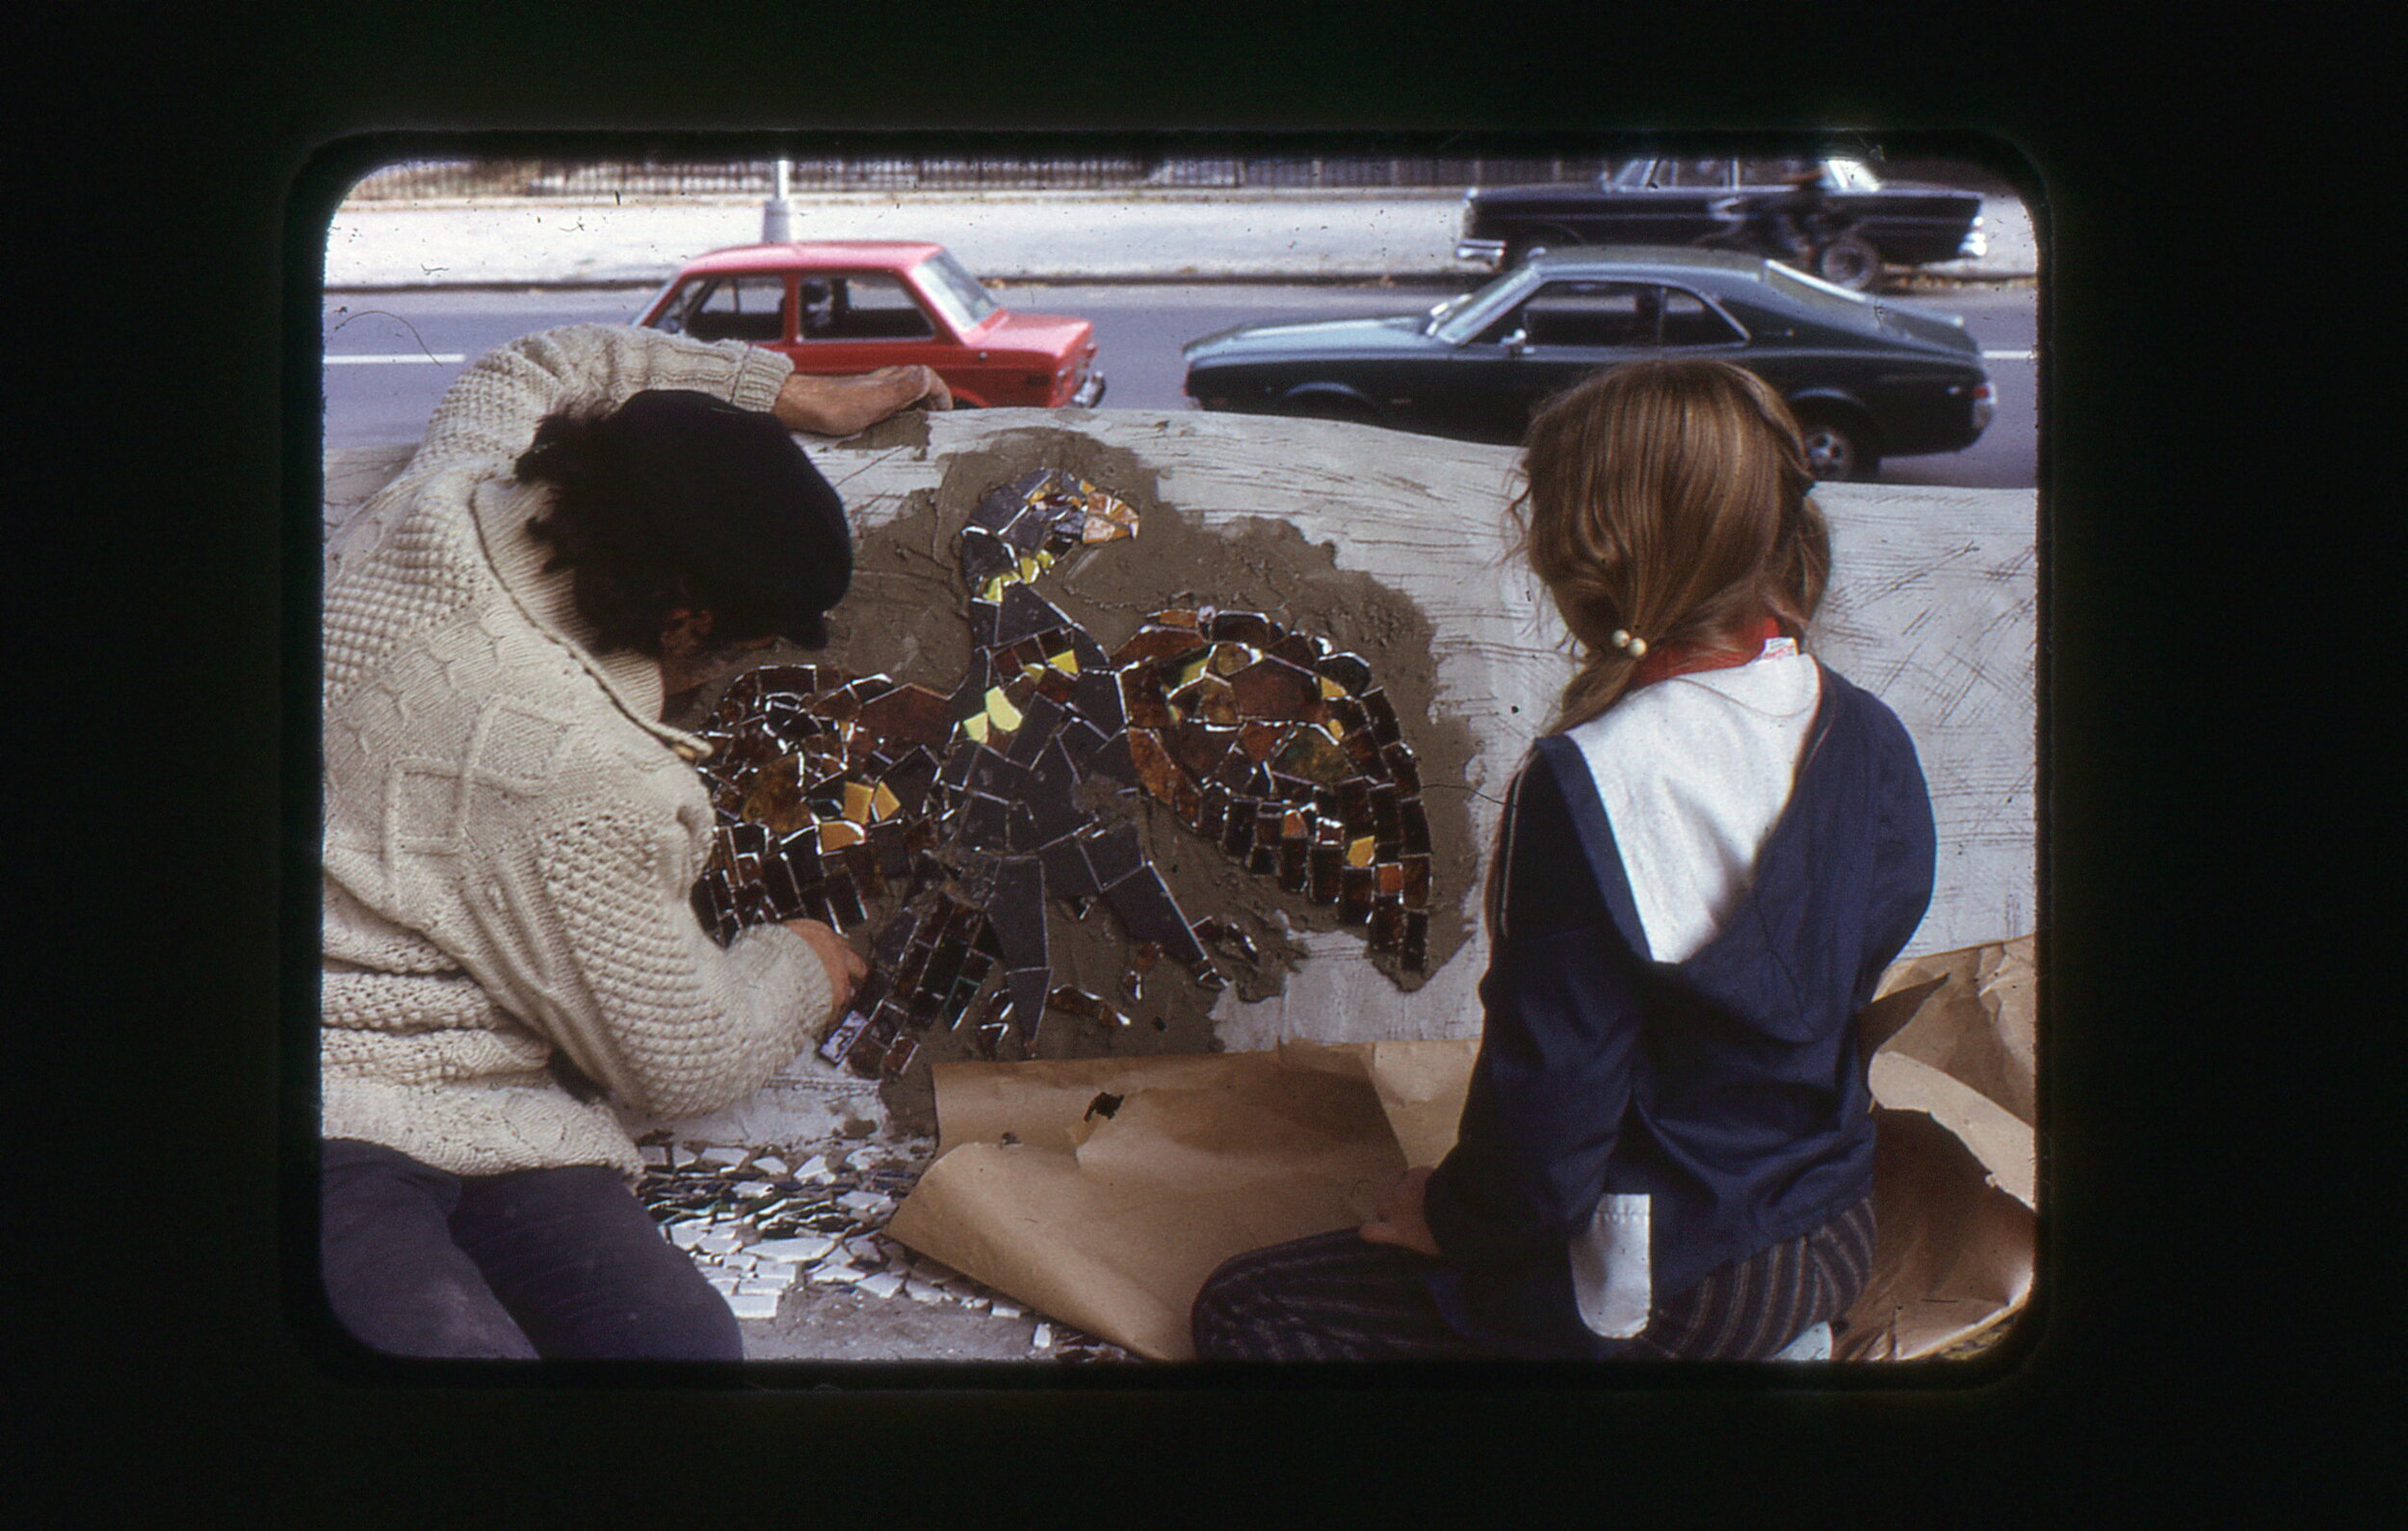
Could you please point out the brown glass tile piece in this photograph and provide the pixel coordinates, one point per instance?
(1313, 755)
(1346, 669)
(1387, 925)
(1156, 768)
(1198, 750)
(1212, 811)
(1276, 689)
(1142, 703)
(1238, 834)
(911, 714)
(1158, 646)
(1323, 870)
(1383, 716)
(1355, 892)
(1260, 740)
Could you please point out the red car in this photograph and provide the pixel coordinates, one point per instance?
(853, 305)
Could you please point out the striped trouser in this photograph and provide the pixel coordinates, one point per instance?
(1337, 1297)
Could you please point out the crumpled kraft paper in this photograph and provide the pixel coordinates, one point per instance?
(1103, 1191)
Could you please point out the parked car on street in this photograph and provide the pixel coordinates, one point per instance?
(1867, 379)
(853, 305)
(1694, 202)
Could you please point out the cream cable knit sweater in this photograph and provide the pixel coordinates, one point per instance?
(510, 834)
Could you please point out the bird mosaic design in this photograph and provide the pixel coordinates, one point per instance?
(985, 808)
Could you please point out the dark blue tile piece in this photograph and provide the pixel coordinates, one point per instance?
(1149, 914)
(1096, 698)
(1067, 875)
(1114, 851)
(1112, 760)
(1039, 720)
(1025, 614)
(1017, 911)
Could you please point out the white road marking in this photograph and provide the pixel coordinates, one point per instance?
(444, 358)
(1992, 356)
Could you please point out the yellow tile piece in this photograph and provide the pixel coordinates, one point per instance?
(1001, 711)
(1068, 662)
(883, 802)
(1030, 567)
(1359, 852)
(857, 800)
(1329, 687)
(993, 592)
(836, 833)
(975, 726)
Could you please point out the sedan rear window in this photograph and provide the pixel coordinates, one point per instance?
(1688, 320)
(728, 308)
(1810, 292)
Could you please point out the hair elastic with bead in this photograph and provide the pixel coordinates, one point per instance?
(1636, 647)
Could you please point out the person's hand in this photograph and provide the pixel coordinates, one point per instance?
(844, 967)
(847, 405)
(1400, 1221)
(932, 392)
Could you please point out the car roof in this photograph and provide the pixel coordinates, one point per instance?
(1653, 260)
(874, 254)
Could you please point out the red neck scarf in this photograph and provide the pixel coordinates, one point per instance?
(1681, 659)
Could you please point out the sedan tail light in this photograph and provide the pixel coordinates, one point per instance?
(1985, 406)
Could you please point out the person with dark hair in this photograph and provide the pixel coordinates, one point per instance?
(597, 519)
(1666, 1150)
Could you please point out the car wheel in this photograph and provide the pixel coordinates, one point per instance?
(1837, 448)
(1849, 261)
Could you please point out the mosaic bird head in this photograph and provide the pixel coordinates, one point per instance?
(1029, 525)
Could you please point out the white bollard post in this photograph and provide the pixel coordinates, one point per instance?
(777, 214)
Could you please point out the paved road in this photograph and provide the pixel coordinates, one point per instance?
(390, 354)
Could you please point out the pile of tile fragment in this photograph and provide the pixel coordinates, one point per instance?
(760, 1227)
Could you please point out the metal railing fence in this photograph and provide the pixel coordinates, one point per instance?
(421, 179)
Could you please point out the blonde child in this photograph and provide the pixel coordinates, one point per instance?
(1667, 1147)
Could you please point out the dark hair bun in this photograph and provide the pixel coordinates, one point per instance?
(680, 498)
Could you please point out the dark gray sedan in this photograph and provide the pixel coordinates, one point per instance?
(1866, 377)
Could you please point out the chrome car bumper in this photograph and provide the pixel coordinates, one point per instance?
(1090, 392)
(1488, 251)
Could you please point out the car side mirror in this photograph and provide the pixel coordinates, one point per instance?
(1517, 342)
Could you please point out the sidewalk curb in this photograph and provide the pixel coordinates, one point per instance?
(1421, 280)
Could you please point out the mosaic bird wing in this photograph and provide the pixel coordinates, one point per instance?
(1286, 752)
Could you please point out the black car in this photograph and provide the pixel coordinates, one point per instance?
(1832, 215)
(1866, 377)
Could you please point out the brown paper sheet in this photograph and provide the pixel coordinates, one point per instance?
(1103, 1191)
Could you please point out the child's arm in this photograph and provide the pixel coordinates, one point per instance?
(1560, 1025)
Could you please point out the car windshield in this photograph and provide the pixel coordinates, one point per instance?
(1852, 176)
(1632, 176)
(1460, 319)
(966, 304)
